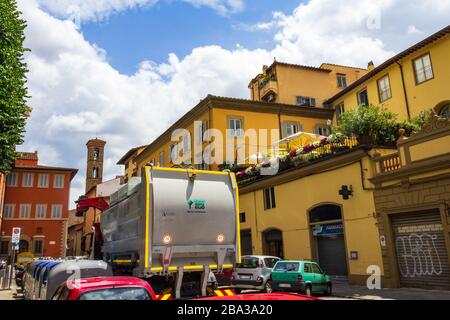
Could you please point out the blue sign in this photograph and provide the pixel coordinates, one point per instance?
(328, 229)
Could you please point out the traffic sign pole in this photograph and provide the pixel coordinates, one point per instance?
(15, 246)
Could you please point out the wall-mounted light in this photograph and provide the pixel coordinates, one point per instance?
(329, 122)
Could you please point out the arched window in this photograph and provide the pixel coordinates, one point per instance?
(445, 111)
(95, 173)
(96, 153)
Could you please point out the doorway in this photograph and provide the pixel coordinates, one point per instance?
(328, 236)
(273, 243)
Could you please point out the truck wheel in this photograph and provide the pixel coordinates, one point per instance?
(328, 290)
(268, 287)
(308, 290)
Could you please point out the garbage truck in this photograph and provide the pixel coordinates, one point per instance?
(174, 227)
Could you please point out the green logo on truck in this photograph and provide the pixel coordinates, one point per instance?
(198, 204)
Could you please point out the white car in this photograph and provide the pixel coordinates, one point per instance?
(254, 273)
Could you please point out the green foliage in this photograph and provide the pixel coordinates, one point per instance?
(13, 90)
(377, 125)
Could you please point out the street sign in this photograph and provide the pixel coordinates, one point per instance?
(15, 235)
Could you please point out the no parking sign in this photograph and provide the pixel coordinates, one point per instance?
(15, 236)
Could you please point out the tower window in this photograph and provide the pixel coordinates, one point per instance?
(96, 153)
(95, 173)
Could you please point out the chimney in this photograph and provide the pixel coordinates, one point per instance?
(370, 66)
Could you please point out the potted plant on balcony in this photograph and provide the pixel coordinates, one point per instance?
(372, 125)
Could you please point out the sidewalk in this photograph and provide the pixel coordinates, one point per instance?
(360, 292)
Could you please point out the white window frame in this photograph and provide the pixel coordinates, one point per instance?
(289, 125)
(384, 88)
(25, 181)
(232, 127)
(359, 97)
(41, 211)
(27, 214)
(55, 180)
(322, 127)
(11, 179)
(305, 101)
(60, 207)
(341, 83)
(187, 142)
(40, 177)
(340, 109)
(161, 159)
(9, 210)
(424, 71)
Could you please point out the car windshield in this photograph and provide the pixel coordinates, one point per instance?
(270, 262)
(116, 294)
(249, 262)
(286, 266)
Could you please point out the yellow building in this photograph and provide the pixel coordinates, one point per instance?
(302, 213)
(224, 114)
(412, 201)
(350, 209)
(414, 80)
(302, 85)
(128, 161)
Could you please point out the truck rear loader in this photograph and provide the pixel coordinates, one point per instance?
(173, 227)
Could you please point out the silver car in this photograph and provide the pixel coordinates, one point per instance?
(253, 273)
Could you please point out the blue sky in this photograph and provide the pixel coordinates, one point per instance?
(151, 33)
(133, 67)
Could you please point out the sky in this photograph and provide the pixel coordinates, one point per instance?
(125, 70)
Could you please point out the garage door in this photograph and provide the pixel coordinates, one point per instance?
(421, 251)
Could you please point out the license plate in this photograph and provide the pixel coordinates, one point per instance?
(284, 285)
(246, 277)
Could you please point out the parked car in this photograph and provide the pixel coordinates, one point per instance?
(105, 288)
(300, 276)
(72, 269)
(263, 296)
(254, 273)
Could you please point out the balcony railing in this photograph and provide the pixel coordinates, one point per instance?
(389, 163)
(268, 86)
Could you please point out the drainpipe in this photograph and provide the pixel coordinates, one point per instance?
(279, 124)
(404, 90)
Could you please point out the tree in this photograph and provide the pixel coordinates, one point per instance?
(13, 89)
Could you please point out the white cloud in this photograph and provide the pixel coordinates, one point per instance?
(78, 95)
(83, 10)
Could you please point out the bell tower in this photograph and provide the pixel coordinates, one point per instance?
(94, 167)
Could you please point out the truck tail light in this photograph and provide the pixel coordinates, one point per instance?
(300, 277)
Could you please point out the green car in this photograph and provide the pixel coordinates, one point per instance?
(301, 276)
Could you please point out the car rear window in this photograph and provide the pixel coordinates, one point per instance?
(286, 266)
(249, 263)
(116, 294)
(270, 262)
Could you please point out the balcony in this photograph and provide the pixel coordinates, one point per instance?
(268, 86)
(388, 163)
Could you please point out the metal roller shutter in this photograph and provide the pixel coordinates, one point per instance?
(332, 257)
(422, 255)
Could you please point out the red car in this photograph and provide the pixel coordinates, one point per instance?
(105, 288)
(263, 296)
